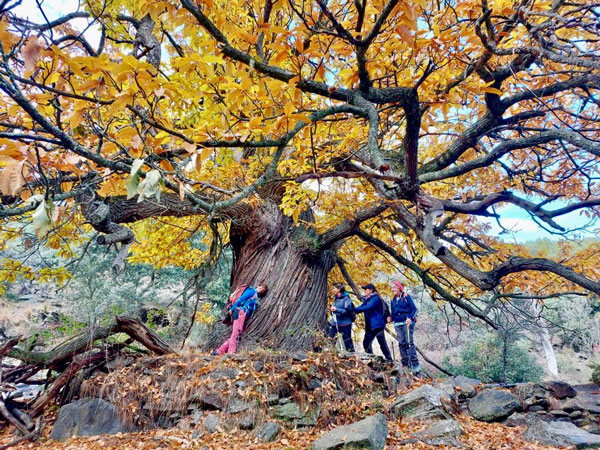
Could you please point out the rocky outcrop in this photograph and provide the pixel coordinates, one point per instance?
(583, 402)
(552, 401)
(560, 434)
(537, 396)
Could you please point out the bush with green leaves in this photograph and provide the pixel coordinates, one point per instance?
(595, 373)
(483, 358)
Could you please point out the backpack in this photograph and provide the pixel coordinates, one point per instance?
(352, 316)
(385, 306)
(352, 313)
(231, 300)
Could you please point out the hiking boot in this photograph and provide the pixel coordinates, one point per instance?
(419, 374)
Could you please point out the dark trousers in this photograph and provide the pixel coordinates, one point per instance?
(378, 333)
(407, 346)
(346, 332)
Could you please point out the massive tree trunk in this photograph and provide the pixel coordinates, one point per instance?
(269, 248)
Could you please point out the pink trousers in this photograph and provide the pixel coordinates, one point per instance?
(230, 345)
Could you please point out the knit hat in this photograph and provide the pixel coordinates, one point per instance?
(398, 285)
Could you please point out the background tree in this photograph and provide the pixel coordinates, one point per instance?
(304, 133)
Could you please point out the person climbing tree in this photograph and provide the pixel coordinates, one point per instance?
(343, 315)
(403, 315)
(240, 310)
(373, 309)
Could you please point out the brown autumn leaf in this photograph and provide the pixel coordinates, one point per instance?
(12, 178)
(31, 54)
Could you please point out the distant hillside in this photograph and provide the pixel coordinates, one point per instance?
(551, 247)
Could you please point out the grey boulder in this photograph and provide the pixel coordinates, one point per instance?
(422, 403)
(491, 405)
(207, 400)
(289, 411)
(369, 433)
(459, 386)
(584, 401)
(560, 389)
(268, 432)
(212, 423)
(88, 417)
(246, 422)
(292, 412)
(442, 433)
(560, 434)
(237, 405)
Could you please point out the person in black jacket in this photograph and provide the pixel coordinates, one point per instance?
(403, 316)
(343, 311)
(372, 307)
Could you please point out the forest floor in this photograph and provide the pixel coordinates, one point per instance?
(144, 389)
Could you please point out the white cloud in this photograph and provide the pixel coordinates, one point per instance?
(517, 224)
(54, 9)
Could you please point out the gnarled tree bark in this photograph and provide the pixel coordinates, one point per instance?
(288, 258)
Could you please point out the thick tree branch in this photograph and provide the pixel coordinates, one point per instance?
(586, 81)
(345, 174)
(480, 206)
(60, 355)
(461, 144)
(544, 137)
(379, 22)
(343, 33)
(489, 280)
(342, 266)
(46, 26)
(412, 111)
(349, 226)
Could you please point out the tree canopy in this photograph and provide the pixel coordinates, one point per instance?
(399, 125)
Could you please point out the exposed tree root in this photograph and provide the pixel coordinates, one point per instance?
(65, 363)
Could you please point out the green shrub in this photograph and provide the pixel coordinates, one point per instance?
(596, 373)
(482, 358)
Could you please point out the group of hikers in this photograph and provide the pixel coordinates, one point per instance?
(402, 312)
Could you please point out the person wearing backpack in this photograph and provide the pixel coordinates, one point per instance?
(240, 306)
(403, 316)
(344, 315)
(374, 309)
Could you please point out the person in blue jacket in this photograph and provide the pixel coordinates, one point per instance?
(342, 309)
(240, 311)
(403, 316)
(372, 307)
